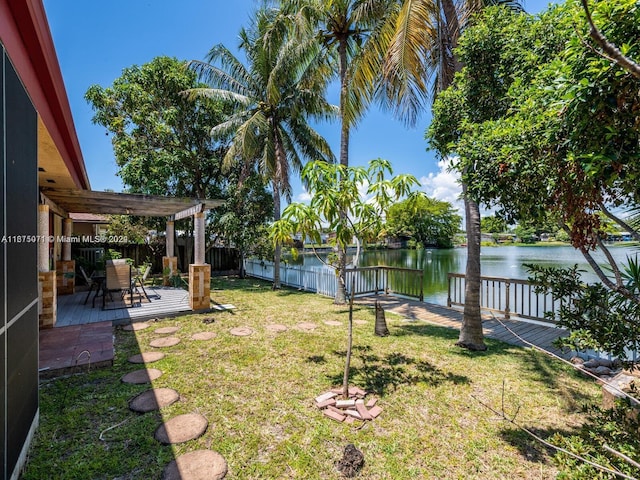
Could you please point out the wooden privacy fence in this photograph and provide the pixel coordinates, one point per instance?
(508, 296)
(324, 281)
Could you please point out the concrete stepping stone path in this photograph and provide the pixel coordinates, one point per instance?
(145, 375)
(181, 428)
(166, 330)
(164, 342)
(276, 327)
(134, 327)
(198, 465)
(332, 323)
(154, 399)
(241, 331)
(204, 335)
(306, 326)
(147, 357)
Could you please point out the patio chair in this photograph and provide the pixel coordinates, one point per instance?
(118, 279)
(138, 282)
(90, 283)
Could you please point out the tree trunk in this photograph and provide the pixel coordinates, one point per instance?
(278, 249)
(347, 363)
(341, 291)
(471, 336)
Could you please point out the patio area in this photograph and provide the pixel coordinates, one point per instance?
(164, 302)
(83, 335)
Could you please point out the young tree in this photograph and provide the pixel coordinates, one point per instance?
(430, 222)
(338, 204)
(275, 94)
(242, 222)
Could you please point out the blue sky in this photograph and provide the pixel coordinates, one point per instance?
(95, 41)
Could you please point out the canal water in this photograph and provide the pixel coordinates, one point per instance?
(502, 261)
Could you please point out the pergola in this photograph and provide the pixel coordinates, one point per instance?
(64, 201)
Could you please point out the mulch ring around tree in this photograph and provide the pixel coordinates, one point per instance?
(145, 375)
(134, 327)
(181, 428)
(198, 465)
(204, 336)
(241, 331)
(166, 330)
(164, 342)
(147, 357)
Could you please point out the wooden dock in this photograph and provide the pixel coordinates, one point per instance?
(164, 301)
(540, 334)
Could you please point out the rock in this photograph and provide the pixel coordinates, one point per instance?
(591, 363)
(577, 361)
(602, 370)
(351, 462)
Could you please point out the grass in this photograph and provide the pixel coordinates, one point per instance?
(257, 393)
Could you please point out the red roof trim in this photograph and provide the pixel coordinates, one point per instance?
(25, 33)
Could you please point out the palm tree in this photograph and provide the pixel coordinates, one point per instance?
(342, 28)
(418, 51)
(279, 89)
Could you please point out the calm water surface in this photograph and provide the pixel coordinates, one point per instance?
(504, 261)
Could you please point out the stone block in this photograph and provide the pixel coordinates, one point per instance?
(65, 277)
(338, 417)
(200, 287)
(47, 305)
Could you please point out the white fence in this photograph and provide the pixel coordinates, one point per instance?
(321, 280)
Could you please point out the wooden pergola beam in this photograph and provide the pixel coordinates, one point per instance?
(87, 201)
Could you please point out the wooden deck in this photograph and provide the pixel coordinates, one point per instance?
(164, 302)
(537, 333)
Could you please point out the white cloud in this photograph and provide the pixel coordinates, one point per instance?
(444, 185)
(304, 197)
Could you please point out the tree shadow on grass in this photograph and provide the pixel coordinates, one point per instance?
(530, 448)
(554, 373)
(379, 374)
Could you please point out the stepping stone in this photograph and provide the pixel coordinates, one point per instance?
(332, 323)
(164, 342)
(181, 429)
(276, 327)
(241, 331)
(166, 330)
(147, 357)
(145, 375)
(203, 335)
(134, 327)
(306, 326)
(154, 399)
(198, 465)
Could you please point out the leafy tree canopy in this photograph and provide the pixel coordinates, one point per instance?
(430, 222)
(541, 121)
(160, 138)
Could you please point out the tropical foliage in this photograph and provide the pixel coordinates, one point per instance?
(429, 222)
(275, 94)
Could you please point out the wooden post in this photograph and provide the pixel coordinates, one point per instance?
(67, 232)
(169, 238)
(199, 238)
(43, 232)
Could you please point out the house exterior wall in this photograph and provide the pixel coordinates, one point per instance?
(18, 269)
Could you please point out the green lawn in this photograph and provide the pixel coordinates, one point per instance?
(257, 393)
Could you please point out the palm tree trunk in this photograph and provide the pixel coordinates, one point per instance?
(278, 249)
(471, 336)
(341, 293)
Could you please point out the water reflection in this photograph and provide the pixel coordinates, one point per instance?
(504, 261)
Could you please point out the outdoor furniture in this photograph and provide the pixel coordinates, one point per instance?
(118, 279)
(138, 282)
(90, 283)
